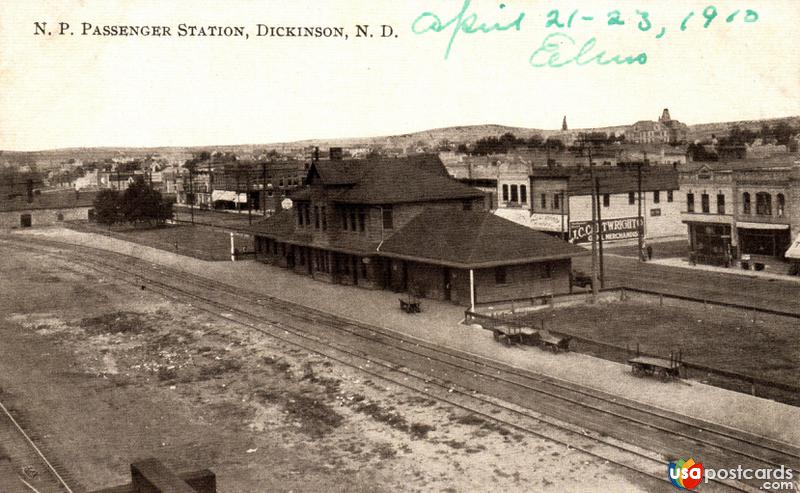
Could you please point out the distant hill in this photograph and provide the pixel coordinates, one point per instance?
(430, 137)
(705, 130)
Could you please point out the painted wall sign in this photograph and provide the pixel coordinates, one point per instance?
(612, 229)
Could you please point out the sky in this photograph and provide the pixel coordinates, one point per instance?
(80, 90)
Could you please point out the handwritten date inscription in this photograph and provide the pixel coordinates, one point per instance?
(559, 49)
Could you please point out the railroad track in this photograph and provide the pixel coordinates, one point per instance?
(623, 277)
(24, 465)
(598, 410)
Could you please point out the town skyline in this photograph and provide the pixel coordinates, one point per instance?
(488, 129)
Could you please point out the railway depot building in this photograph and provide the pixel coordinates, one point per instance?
(403, 224)
(558, 201)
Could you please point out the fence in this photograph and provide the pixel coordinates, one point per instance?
(732, 380)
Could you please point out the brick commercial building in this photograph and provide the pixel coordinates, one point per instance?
(741, 208)
(38, 209)
(238, 185)
(405, 225)
(558, 200)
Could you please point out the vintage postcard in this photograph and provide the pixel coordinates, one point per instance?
(422, 245)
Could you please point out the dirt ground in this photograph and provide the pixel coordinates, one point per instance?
(107, 374)
(661, 249)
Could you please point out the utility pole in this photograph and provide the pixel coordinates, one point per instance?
(191, 193)
(596, 186)
(238, 171)
(264, 187)
(640, 220)
(595, 230)
(564, 234)
(249, 206)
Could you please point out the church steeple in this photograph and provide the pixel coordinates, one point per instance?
(564, 123)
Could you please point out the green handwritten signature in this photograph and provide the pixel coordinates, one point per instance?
(555, 42)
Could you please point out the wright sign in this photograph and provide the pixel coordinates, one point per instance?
(620, 228)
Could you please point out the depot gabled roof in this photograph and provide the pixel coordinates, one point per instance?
(419, 178)
(459, 239)
(473, 239)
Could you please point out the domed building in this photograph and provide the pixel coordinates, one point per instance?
(664, 131)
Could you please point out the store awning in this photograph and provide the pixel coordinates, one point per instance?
(228, 196)
(794, 249)
(540, 222)
(761, 226)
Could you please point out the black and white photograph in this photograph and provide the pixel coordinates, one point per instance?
(399, 246)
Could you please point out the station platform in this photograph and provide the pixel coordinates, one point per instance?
(440, 323)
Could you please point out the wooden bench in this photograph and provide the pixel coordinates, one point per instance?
(665, 369)
(410, 306)
(554, 343)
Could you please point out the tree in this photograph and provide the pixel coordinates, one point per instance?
(141, 203)
(106, 207)
(554, 143)
(783, 132)
(535, 141)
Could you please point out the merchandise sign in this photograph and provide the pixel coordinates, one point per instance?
(612, 229)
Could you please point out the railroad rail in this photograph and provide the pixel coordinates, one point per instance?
(34, 471)
(603, 411)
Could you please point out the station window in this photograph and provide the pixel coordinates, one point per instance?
(689, 202)
(705, 203)
(781, 204)
(556, 201)
(657, 197)
(316, 217)
(669, 195)
(514, 196)
(544, 201)
(746, 203)
(720, 203)
(388, 218)
(505, 193)
(523, 194)
(606, 200)
(500, 275)
(631, 198)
